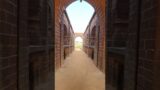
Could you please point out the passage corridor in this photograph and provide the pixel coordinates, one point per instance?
(79, 73)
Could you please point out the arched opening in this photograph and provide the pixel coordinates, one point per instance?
(80, 14)
(31, 39)
(78, 43)
(77, 18)
(82, 22)
(98, 11)
(83, 18)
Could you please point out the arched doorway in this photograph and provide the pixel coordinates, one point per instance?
(78, 43)
(99, 10)
(97, 20)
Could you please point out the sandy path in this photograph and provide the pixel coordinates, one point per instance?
(79, 73)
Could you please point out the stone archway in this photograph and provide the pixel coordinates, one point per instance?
(78, 35)
(99, 7)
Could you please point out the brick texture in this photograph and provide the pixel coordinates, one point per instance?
(8, 45)
(31, 48)
(146, 46)
(67, 37)
(100, 9)
(91, 39)
(26, 45)
(138, 39)
(40, 44)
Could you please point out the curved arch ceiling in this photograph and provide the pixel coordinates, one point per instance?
(80, 13)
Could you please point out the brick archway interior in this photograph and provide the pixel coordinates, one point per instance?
(99, 6)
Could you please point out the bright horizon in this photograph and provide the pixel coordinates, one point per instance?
(80, 14)
(78, 39)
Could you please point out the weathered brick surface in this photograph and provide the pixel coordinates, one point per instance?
(21, 48)
(29, 45)
(140, 66)
(146, 46)
(91, 39)
(131, 47)
(23, 62)
(40, 44)
(100, 9)
(8, 45)
(156, 66)
(117, 36)
(67, 37)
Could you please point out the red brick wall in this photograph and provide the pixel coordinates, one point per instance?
(100, 9)
(91, 39)
(64, 36)
(67, 37)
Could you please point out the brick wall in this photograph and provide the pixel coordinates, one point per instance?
(40, 44)
(23, 62)
(116, 69)
(141, 58)
(100, 9)
(8, 45)
(117, 36)
(91, 39)
(59, 12)
(118, 20)
(156, 66)
(146, 46)
(26, 57)
(141, 46)
(67, 37)
(132, 47)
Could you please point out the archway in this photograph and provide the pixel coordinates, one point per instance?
(76, 18)
(97, 20)
(100, 11)
(78, 43)
(80, 14)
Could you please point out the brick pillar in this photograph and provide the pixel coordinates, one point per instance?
(157, 48)
(8, 45)
(132, 47)
(23, 60)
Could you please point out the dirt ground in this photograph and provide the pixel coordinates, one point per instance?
(79, 73)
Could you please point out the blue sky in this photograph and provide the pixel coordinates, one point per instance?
(79, 14)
